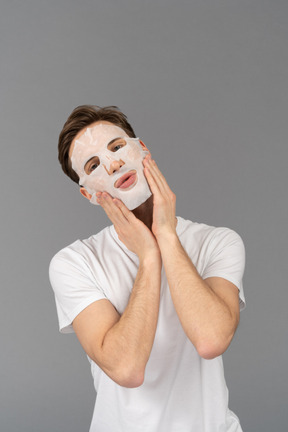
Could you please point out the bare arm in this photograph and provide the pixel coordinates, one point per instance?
(121, 345)
(208, 310)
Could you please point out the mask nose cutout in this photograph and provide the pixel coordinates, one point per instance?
(113, 165)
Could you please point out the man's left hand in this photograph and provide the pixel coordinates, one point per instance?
(164, 200)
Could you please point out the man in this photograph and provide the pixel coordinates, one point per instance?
(153, 299)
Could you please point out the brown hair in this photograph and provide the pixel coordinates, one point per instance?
(81, 117)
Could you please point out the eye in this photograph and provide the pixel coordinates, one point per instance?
(118, 145)
(92, 164)
(93, 167)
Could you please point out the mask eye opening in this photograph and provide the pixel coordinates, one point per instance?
(91, 164)
(116, 144)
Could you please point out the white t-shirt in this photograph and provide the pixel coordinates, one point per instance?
(182, 392)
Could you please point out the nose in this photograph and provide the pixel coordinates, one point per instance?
(114, 166)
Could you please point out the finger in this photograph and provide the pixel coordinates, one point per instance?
(156, 181)
(152, 183)
(125, 211)
(110, 208)
(158, 184)
(157, 174)
(117, 210)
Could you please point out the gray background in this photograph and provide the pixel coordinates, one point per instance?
(204, 84)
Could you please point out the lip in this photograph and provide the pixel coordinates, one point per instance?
(127, 181)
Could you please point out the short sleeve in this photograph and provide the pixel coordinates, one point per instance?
(74, 286)
(227, 259)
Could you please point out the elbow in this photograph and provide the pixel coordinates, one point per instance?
(124, 375)
(214, 345)
(131, 382)
(127, 374)
(130, 378)
(211, 350)
(208, 353)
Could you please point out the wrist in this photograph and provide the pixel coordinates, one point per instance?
(166, 230)
(167, 239)
(151, 258)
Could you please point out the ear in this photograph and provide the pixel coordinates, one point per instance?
(86, 194)
(144, 146)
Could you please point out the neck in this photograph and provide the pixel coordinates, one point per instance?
(145, 212)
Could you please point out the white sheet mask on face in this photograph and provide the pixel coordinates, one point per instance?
(114, 161)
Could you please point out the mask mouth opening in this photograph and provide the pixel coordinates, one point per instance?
(127, 181)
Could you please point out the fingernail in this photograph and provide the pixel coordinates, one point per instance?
(104, 195)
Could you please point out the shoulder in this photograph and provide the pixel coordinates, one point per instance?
(222, 238)
(81, 256)
(205, 243)
(75, 276)
(207, 233)
(215, 251)
(80, 249)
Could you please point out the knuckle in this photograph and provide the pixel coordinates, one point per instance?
(173, 196)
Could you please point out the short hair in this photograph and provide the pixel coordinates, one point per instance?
(81, 117)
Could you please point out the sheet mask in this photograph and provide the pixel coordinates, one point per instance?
(94, 142)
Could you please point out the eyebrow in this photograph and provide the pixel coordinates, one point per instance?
(109, 144)
(112, 141)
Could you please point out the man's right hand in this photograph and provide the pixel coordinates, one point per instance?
(131, 231)
(121, 344)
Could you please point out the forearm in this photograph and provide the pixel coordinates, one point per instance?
(204, 316)
(127, 345)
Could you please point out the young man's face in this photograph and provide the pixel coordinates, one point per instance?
(107, 159)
